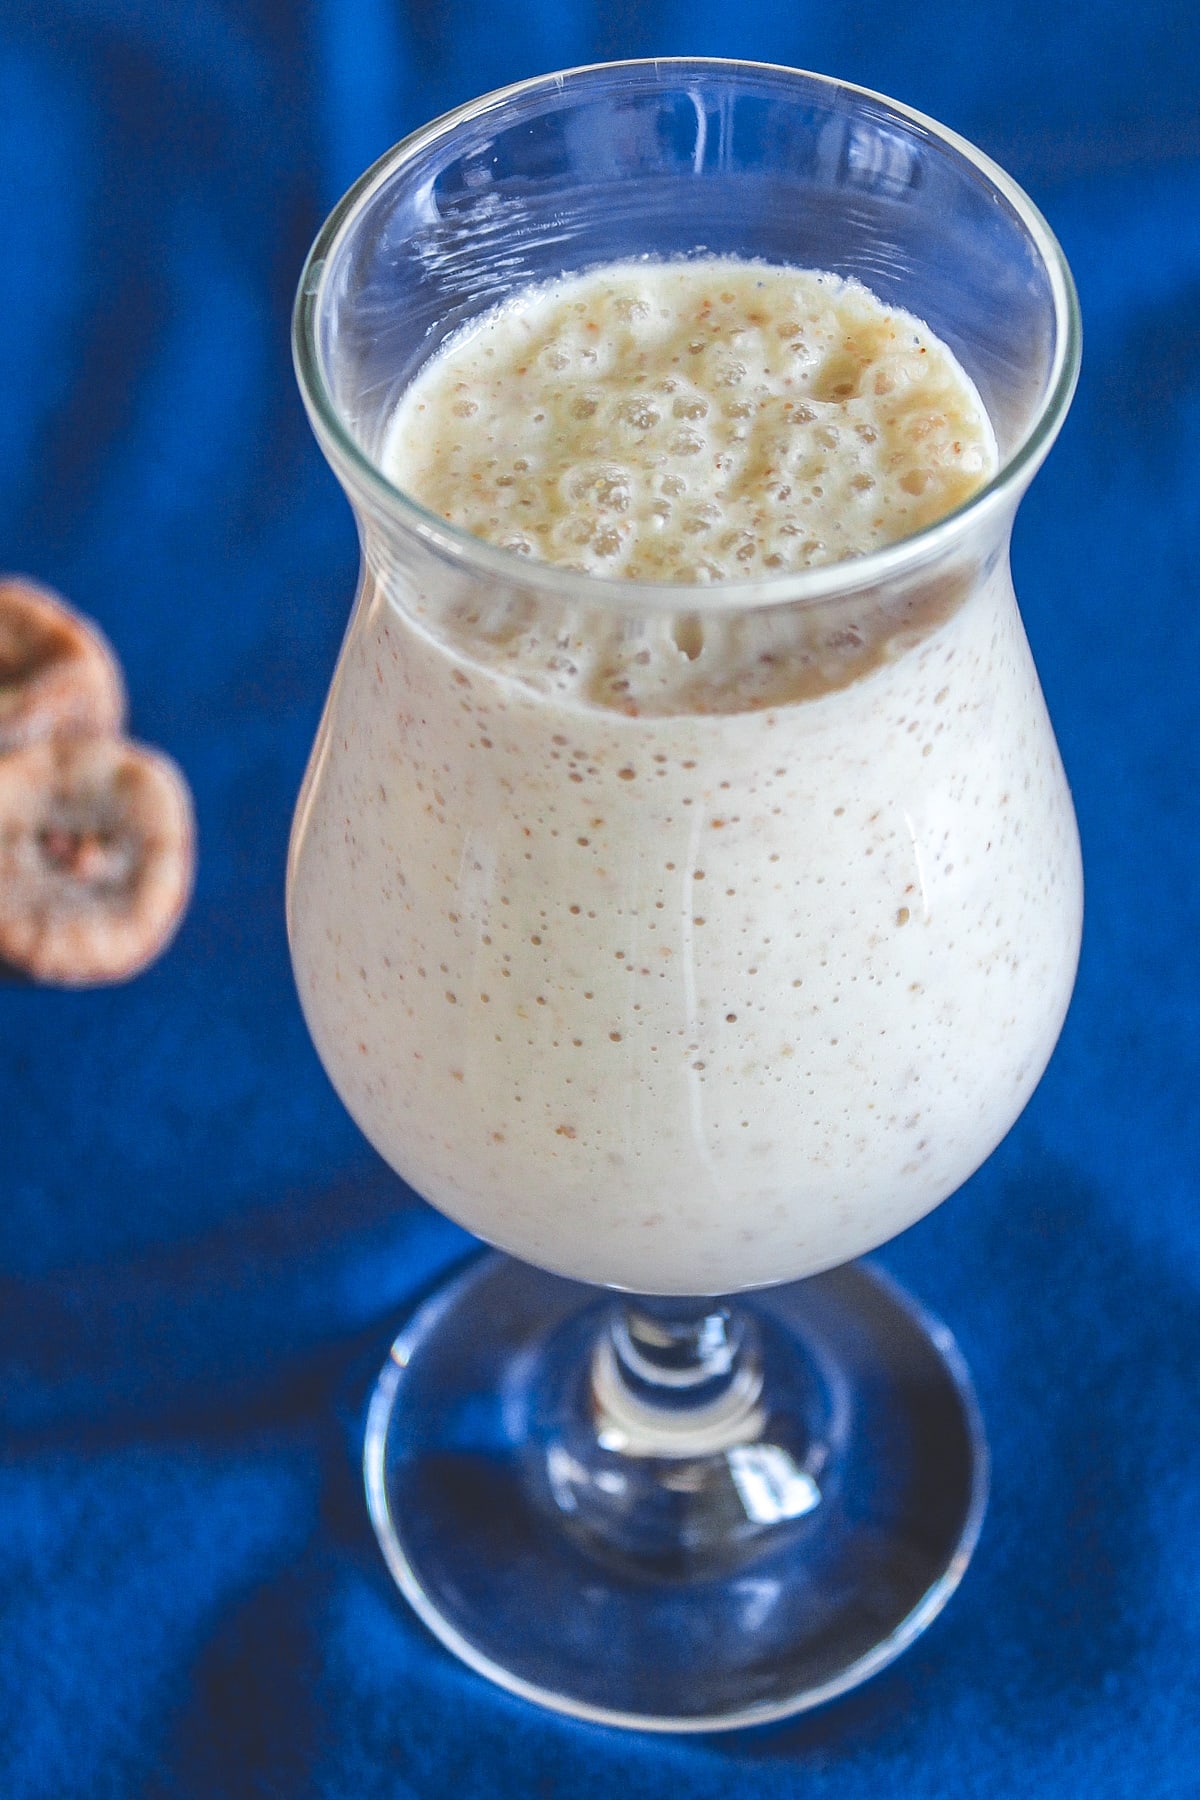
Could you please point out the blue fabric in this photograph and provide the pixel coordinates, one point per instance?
(200, 1260)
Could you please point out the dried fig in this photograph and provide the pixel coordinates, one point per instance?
(96, 858)
(58, 676)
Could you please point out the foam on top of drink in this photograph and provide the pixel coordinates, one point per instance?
(697, 421)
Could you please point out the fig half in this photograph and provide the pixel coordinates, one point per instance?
(58, 675)
(97, 854)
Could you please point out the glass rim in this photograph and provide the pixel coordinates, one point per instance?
(811, 586)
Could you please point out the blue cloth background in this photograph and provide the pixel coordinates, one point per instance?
(200, 1260)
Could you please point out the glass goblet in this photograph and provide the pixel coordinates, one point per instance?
(683, 942)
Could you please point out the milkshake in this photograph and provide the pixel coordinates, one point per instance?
(676, 947)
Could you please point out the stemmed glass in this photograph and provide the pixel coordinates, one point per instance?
(681, 941)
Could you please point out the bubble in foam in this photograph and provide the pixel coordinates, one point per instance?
(608, 489)
(639, 412)
(731, 374)
(686, 443)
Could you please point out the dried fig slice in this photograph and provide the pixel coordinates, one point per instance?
(58, 675)
(96, 858)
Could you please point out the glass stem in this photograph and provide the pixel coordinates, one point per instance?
(676, 1378)
(675, 1454)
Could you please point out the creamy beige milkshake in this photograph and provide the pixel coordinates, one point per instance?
(687, 950)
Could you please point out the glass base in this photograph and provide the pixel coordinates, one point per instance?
(733, 1572)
